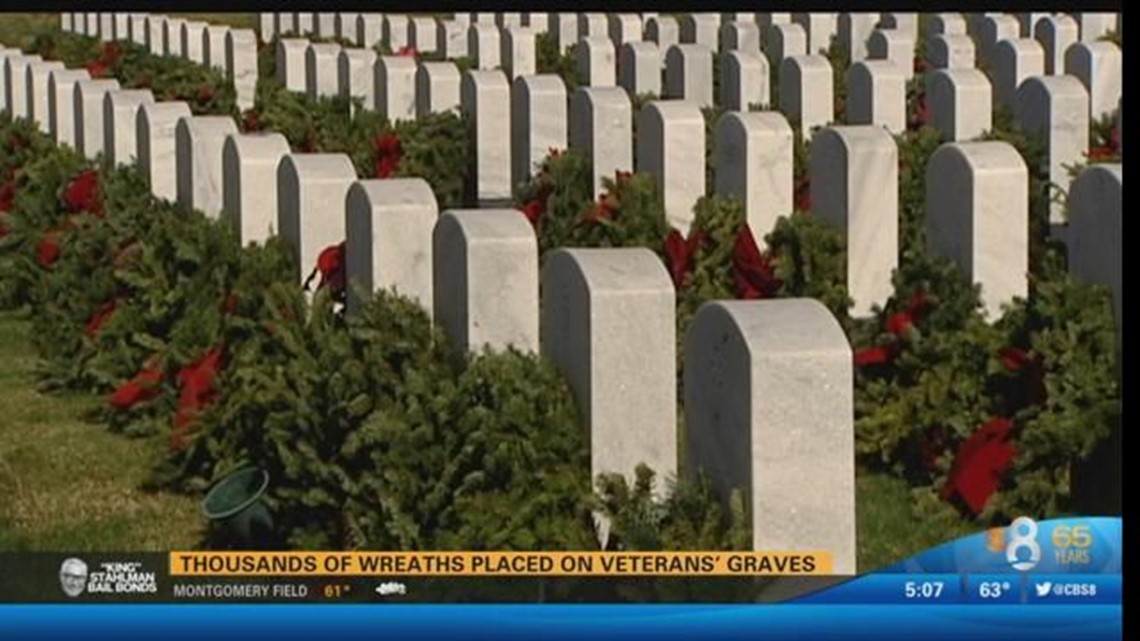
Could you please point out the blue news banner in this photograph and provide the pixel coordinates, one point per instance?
(1057, 579)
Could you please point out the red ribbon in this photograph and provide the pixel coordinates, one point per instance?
(980, 463)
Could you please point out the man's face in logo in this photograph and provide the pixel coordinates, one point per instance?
(73, 577)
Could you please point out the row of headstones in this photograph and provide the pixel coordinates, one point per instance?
(624, 58)
(477, 274)
(754, 151)
(960, 96)
(231, 51)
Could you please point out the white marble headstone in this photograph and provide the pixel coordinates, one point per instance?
(517, 54)
(740, 36)
(854, 188)
(423, 35)
(539, 122)
(452, 38)
(601, 125)
(950, 52)
(960, 102)
(806, 92)
(483, 46)
(266, 26)
(395, 87)
(624, 27)
(744, 80)
(564, 28)
(946, 24)
(321, 70)
(214, 46)
(241, 65)
(876, 95)
(785, 40)
(290, 64)
(749, 366)
(754, 165)
(1099, 66)
(16, 83)
(701, 29)
(639, 68)
(819, 29)
(1056, 108)
(396, 31)
(1096, 219)
(437, 88)
(389, 241)
(369, 29)
(596, 61)
(977, 215)
(87, 97)
(155, 135)
(198, 142)
(36, 77)
(355, 75)
(608, 326)
(1015, 60)
(853, 33)
(894, 46)
(662, 31)
(485, 279)
(191, 34)
(120, 133)
(485, 97)
(671, 148)
(1056, 34)
(311, 193)
(689, 74)
(249, 184)
(61, 104)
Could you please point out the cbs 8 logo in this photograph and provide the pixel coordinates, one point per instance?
(1022, 543)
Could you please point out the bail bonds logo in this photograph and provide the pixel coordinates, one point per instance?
(112, 578)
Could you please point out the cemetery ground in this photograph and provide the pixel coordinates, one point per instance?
(68, 484)
(147, 349)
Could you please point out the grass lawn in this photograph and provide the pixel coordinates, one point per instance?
(67, 484)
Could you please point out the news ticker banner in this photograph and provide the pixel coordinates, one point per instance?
(1057, 562)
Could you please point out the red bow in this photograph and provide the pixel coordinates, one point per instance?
(752, 270)
(1030, 370)
(330, 266)
(82, 193)
(533, 210)
(679, 253)
(604, 209)
(389, 151)
(250, 121)
(143, 387)
(901, 325)
(47, 251)
(196, 390)
(980, 463)
(100, 317)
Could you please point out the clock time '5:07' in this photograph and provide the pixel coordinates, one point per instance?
(922, 589)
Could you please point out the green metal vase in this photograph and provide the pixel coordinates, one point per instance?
(234, 504)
